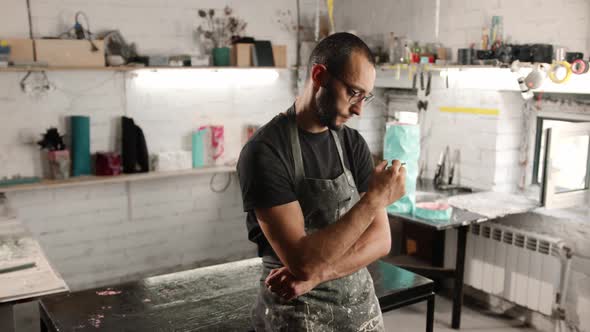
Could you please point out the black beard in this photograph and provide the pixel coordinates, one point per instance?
(326, 109)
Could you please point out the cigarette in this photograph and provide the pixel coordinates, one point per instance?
(402, 165)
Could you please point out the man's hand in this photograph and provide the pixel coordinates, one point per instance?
(387, 184)
(281, 282)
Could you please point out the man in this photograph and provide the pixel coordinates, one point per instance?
(316, 206)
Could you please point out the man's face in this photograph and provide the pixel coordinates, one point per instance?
(334, 99)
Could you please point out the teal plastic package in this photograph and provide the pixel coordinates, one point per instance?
(433, 211)
(402, 142)
(198, 140)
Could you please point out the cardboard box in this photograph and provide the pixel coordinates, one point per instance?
(242, 55)
(21, 50)
(279, 53)
(70, 53)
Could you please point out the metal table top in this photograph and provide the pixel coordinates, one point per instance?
(459, 217)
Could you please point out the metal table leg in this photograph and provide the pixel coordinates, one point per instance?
(7, 317)
(459, 270)
(430, 314)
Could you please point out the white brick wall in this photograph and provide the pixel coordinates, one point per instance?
(474, 135)
(110, 233)
(489, 144)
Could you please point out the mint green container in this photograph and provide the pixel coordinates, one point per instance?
(198, 140)
(434, 215)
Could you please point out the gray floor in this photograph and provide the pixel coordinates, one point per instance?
(409, 319)
(413, 318)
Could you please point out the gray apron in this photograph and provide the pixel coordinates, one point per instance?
(345, 304)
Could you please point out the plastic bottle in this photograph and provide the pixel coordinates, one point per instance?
(391, 50)
(497, 33)
(398, 50)
(485, 39)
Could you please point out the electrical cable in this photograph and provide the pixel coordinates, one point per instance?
(31, 30)
(84, 34)
(84, 91)
(76, 18)
(229, 177)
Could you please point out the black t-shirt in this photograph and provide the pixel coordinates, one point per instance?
(266, 167)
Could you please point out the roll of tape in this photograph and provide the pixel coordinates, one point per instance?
(580, 66)
(555, 67)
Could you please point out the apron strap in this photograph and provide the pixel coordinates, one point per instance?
(349, 178)
(297, 156)
(295, 148)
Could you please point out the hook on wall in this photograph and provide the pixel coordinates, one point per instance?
(37, 86)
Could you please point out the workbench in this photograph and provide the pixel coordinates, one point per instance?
(216, 298)
(25, 273)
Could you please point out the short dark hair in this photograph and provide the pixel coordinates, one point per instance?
(335, 50)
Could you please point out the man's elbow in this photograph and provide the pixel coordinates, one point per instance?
(385, 246)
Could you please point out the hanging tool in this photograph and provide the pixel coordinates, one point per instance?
(79, 32)
(82, 33)
(445, 172)
(423, 91)
(454, 162)
(440, 168)
(37, 86)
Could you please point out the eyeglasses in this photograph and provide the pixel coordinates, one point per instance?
(355, 95)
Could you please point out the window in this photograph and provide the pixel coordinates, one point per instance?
(542, 125)
(563, 150)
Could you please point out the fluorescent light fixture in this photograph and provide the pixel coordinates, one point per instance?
(207, 78)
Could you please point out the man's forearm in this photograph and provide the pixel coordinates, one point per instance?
(326, 246)
(372, 245)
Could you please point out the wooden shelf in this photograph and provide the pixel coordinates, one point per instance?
(123, 68)
(95, 180)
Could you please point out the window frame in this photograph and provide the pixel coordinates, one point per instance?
(549, 197)
(539, 135)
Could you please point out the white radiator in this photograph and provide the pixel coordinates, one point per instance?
(516, 265)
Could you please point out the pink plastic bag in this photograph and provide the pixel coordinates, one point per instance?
(217, 142)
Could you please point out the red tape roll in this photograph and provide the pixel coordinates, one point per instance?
(580, 66)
